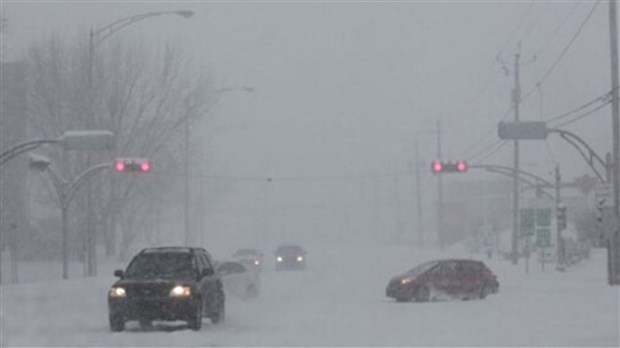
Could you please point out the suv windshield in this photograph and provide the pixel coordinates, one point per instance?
(162, 266)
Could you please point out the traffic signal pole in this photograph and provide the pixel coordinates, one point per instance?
(614, 238)
(560, 239)
(440, 230)
(419, 195)
(516, 98)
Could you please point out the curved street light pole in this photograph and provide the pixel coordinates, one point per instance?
(96, 38)
(65, 191)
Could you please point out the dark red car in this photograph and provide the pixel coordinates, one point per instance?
(452, 278)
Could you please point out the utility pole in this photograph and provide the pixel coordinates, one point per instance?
(440, 230)
(558, 206)
(186, 193)
(419, 195)
(516, 99)
(614, 238)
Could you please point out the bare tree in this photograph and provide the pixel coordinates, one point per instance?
(142, 95)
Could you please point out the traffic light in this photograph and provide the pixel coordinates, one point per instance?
(438, 167)
(561, 216)
(124, 165)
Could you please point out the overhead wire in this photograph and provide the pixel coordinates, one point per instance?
(486, 135)
(564, 124)
(556, 30)
(579, 108)
(491, 131)
(564, 51)
(518, 27)
(494, 150)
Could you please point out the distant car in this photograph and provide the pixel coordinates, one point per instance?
(169, 283)
(290, 257)
(251, 258)
(238, 280)
(452, 278)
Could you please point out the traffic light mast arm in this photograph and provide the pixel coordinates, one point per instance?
(508, 171)
(512, 170)
(591, 157)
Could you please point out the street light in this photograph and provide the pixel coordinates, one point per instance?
(70, 140)
(66, 191)
(96, 38)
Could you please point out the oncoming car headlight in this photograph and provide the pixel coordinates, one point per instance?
(256, 262)
(300, 258)
(118, 292)
(180, 291)
(279, 258)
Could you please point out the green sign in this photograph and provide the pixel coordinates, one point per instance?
(528, 222)
(543, 237)
(543, 217)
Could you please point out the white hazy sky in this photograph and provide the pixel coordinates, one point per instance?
(352, 82)
(343, 88)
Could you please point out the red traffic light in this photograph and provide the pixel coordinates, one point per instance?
(439, 167)
(141, 165)
(461, 166)
(119, 166)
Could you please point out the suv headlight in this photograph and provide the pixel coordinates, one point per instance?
(279, 258)
(180, 291)
(300, 258)
(118, 292)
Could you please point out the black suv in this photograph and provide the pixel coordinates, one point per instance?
(170, 283)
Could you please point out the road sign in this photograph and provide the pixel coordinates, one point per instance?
(528, 222)
(532, 130)
(543, 217)
(543, 237)
(604, 195)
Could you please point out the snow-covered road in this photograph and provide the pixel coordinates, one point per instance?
(340, 301)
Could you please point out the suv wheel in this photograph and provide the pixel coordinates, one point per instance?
(219, 316)
(195, 322)
(117, 323)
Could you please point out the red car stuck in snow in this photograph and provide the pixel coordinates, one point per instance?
(451, 278)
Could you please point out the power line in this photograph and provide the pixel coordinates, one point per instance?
(568, 46)
(584, 115)
(519, 25)
(494, 151)
(485, 150)
(486, 135)
(556, 30)
(579, 108)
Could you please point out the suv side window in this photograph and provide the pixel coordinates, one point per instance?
(208, 259)
(204, 260)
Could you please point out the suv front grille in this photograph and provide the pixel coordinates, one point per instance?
(148, 290)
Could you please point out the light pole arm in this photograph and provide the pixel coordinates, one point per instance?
(591, 157)
(24, 147)
(99, 35)
(71, 189)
